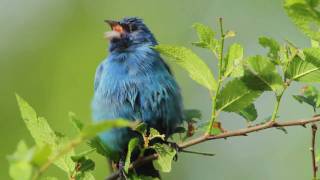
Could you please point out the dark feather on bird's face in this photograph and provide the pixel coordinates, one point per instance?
(129, 33)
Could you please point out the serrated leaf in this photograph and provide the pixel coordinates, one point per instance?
(312, 55)
(249, 113)
(43, 134)
(165, 157)
(310, 95)
(194, 65)
(131, 146)
(261, 74)
(92, 130)
(305, 16)
(303, 71)
(233, 62)
(102, 149)
(274, 48)
(206, 37)
(236, 96)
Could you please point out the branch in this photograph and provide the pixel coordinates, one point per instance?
(239, 132)
(312, 149)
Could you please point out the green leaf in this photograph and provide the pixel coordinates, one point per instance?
(261, 74)
(192, 114)
(133, 143)
(305, 15)
(155, 134)
(103, 149)
(274, 48)
(41, 155)
(312, 55)
(75, 121)
(82, 155)
(206, 37)
(310, 95)
(20, 166)
(233, 62)
(43, 134)
(92, 130)
(249, 113)
(302, 71)
(197, 69)
(235, 96)
(141, 128)
(165, 157)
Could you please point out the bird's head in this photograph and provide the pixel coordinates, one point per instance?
(128, 33)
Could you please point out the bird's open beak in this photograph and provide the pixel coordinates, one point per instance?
(116, 30)
(111, 23)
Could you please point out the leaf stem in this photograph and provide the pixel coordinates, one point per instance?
(220, 70)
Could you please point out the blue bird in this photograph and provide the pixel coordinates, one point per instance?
(135, 83)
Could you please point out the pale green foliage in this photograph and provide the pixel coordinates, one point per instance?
(305, 14)
(233, 64)
(43, 134)
(274, 48)
(196, 68)
(165, 157)
(265, 73)
(249, 113)
(206, 38)
(131, 146)
(236, 96)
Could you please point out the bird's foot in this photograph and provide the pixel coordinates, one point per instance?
(122, 175)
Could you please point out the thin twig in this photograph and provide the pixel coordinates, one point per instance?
(312, 149)
(224, 135)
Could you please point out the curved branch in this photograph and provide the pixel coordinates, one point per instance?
(239, 132)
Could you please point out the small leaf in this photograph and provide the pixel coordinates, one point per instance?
(165, 157)
(230, 34)
(92, 130)
(155, 134)
(274, 48)
(206, 37)
(249, 113)
(102, 148)
(233, 63)
(236, 96)
(131, 146)
(262, 75)
(192, 114)
(141, 128)
(197, 69)
(86, 165)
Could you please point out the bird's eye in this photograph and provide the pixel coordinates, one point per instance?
(129, 27)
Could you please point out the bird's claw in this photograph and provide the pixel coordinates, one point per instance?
(122, 172)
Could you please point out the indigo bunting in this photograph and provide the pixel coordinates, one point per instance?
(135, 83)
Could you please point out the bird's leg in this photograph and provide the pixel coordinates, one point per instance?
(121, 163)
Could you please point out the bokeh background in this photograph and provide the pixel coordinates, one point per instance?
(49, 50)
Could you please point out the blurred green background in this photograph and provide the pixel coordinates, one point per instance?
(49, 50)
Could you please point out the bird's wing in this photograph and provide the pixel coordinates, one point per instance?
(98, 76)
